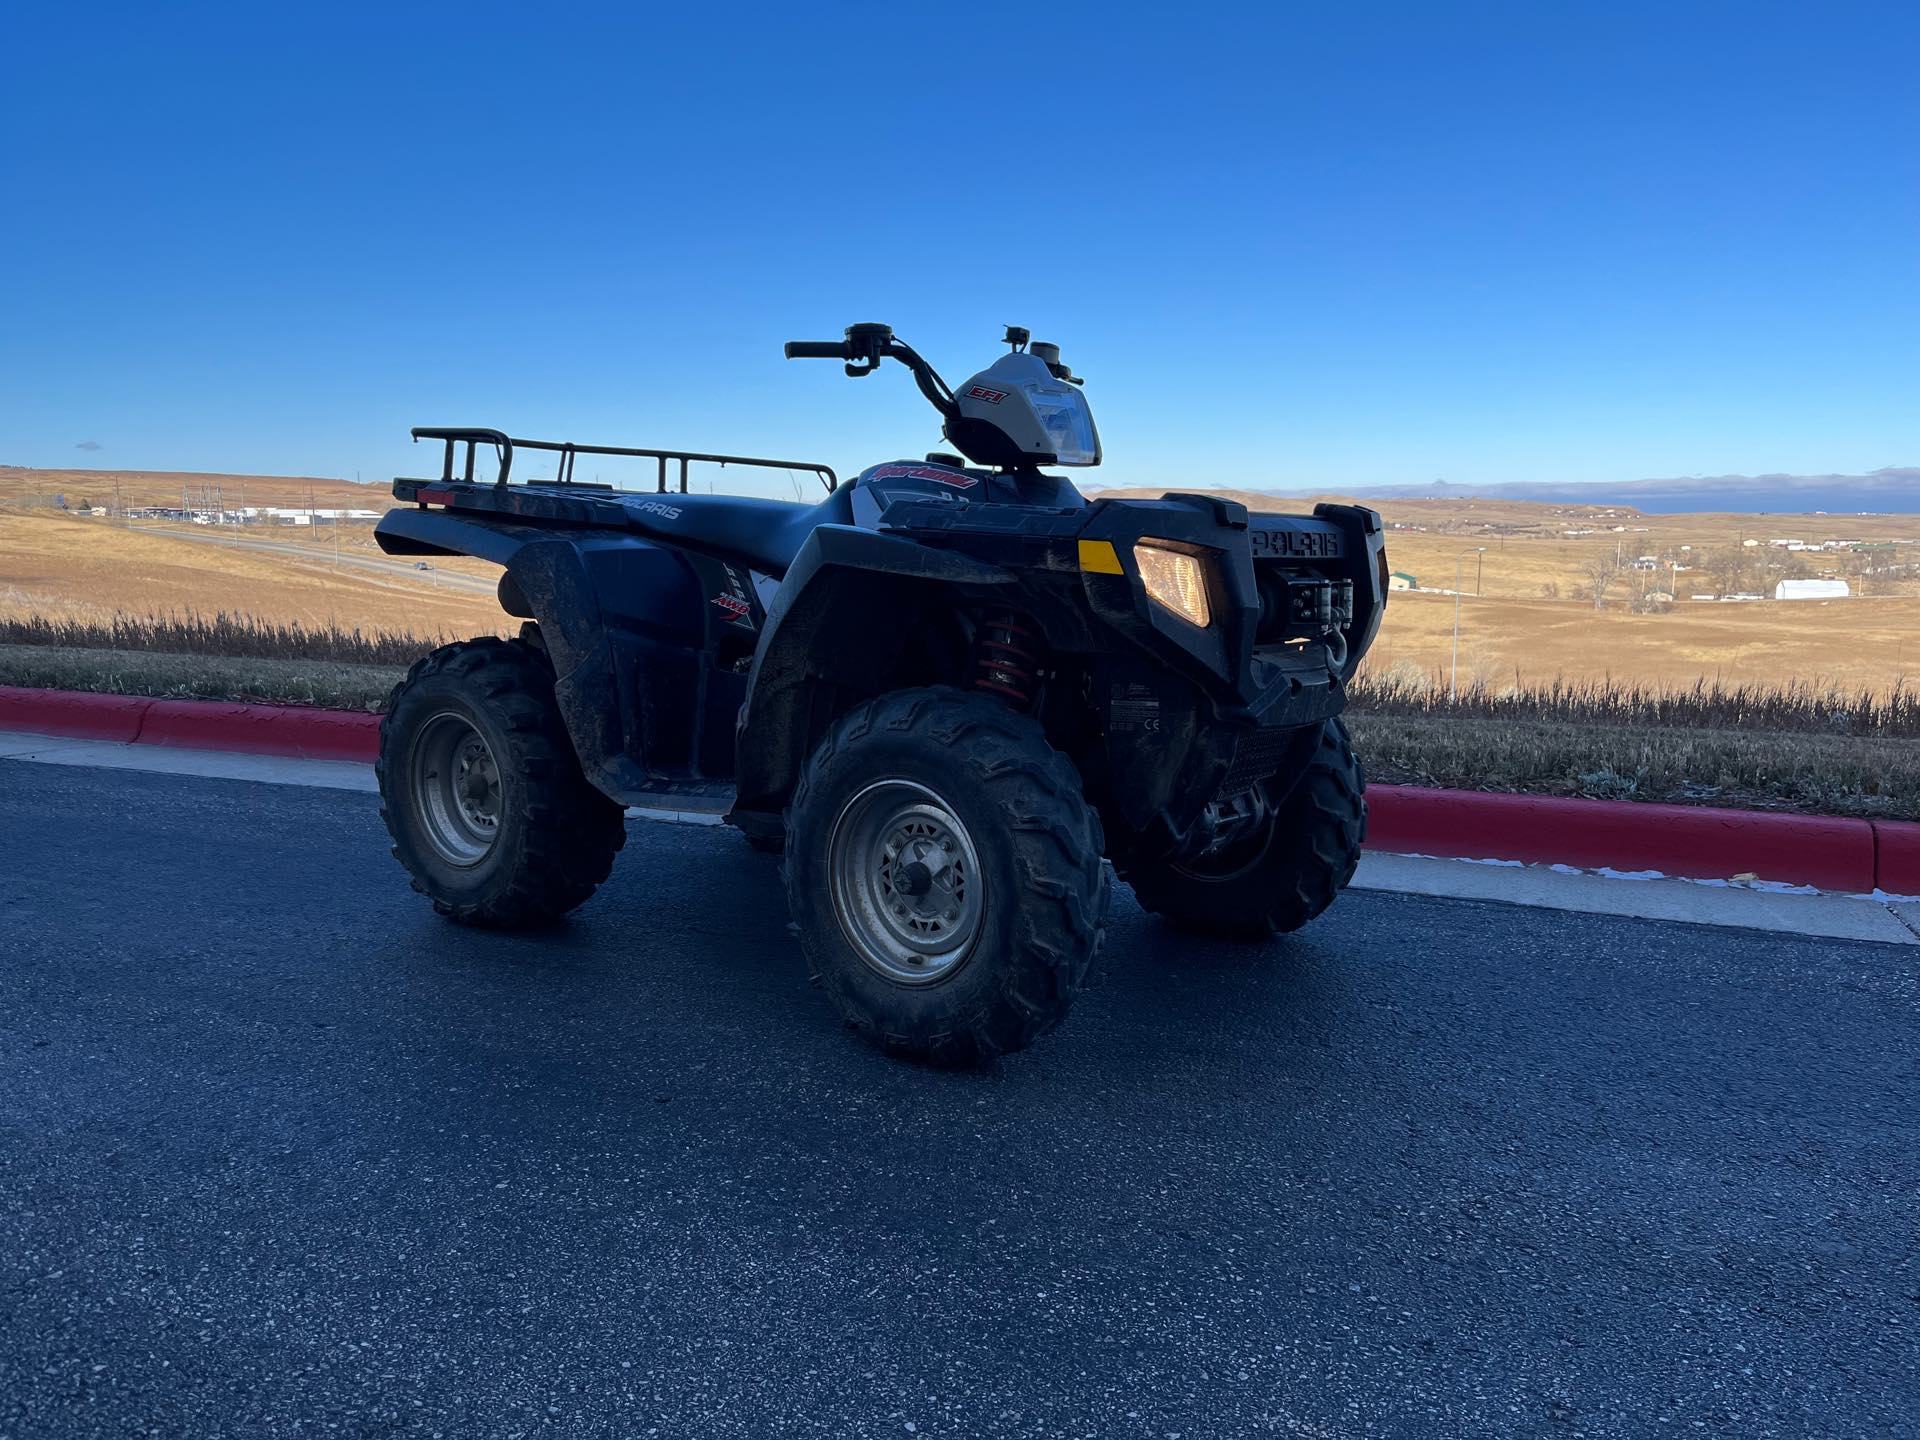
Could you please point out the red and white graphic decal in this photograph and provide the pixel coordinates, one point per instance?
(736, 606)
(924, 472)
(981, 392)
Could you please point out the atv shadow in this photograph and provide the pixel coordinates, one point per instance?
(687, 954)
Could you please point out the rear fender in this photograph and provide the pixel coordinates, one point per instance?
(859, 613)
(582, 588)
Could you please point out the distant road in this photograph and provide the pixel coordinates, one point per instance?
(283, 1152)
(381, 565)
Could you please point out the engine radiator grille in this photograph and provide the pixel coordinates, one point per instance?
(1258, 754)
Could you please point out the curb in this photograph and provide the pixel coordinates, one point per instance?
(292, 730)
(1690, 841)
(1854, 856)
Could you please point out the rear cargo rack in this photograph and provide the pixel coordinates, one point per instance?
(504, 445)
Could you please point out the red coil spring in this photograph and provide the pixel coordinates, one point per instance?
(1006, 659)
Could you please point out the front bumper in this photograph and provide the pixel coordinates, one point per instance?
(1258, 668)
(1191, 715)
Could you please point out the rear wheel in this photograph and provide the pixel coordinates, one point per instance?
(943, 871)
(1284, 873)
(482, 792)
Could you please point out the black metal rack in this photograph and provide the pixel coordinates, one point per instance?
(504, 445)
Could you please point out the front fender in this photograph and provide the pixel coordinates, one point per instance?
(849, 603)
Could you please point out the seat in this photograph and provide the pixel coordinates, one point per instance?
(766, 534)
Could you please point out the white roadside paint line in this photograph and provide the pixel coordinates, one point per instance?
(1788, 909)
(207, 764)
(673, 817)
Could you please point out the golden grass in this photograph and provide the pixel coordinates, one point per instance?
(327, 684)
(1797, 707)
(54, 565)
(1854, 644)
(1792, 770)
(226, 636)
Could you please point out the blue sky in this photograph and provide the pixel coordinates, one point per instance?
(1286, 244)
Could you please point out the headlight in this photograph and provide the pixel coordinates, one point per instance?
(1174, 579)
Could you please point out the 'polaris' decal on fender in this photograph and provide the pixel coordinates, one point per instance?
(654, 507)
(1296, 544)
(923, 472)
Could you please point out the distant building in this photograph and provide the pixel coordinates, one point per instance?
(1401, 580)
(1811, 590)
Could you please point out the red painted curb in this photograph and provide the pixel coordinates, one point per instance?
(1692, 841)
(68, 712)
(1896, 865)
(292, 730)
(263, 729)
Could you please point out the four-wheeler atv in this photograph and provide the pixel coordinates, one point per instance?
(946, 691)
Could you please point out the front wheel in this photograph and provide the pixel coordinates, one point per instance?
(943, 871)
(1283, 874)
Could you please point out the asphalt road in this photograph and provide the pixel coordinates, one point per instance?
(281, 1153)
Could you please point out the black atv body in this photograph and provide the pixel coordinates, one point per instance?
(702, 644)
(945, 689)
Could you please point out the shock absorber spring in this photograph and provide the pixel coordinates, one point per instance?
(1006, 659)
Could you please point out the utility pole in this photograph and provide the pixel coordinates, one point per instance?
(1453, 674)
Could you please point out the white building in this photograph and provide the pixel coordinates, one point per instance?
(1811, 590)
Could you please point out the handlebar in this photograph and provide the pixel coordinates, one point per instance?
(864, 348)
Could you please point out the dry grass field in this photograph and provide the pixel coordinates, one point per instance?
(1527, 614)
(57, 564)
(1854, 644)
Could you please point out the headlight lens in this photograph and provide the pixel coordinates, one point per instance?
(1174, 579)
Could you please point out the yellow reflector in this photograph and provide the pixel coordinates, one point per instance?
(1099, 557)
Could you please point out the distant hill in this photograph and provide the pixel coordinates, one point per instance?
(26, 485)
(1892, 491)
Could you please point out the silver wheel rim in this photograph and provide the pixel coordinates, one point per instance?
(456, 789)
(906, 882)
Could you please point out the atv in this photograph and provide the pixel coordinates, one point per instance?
(945, 691)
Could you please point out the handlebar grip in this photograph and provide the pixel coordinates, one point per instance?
(818, 350)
